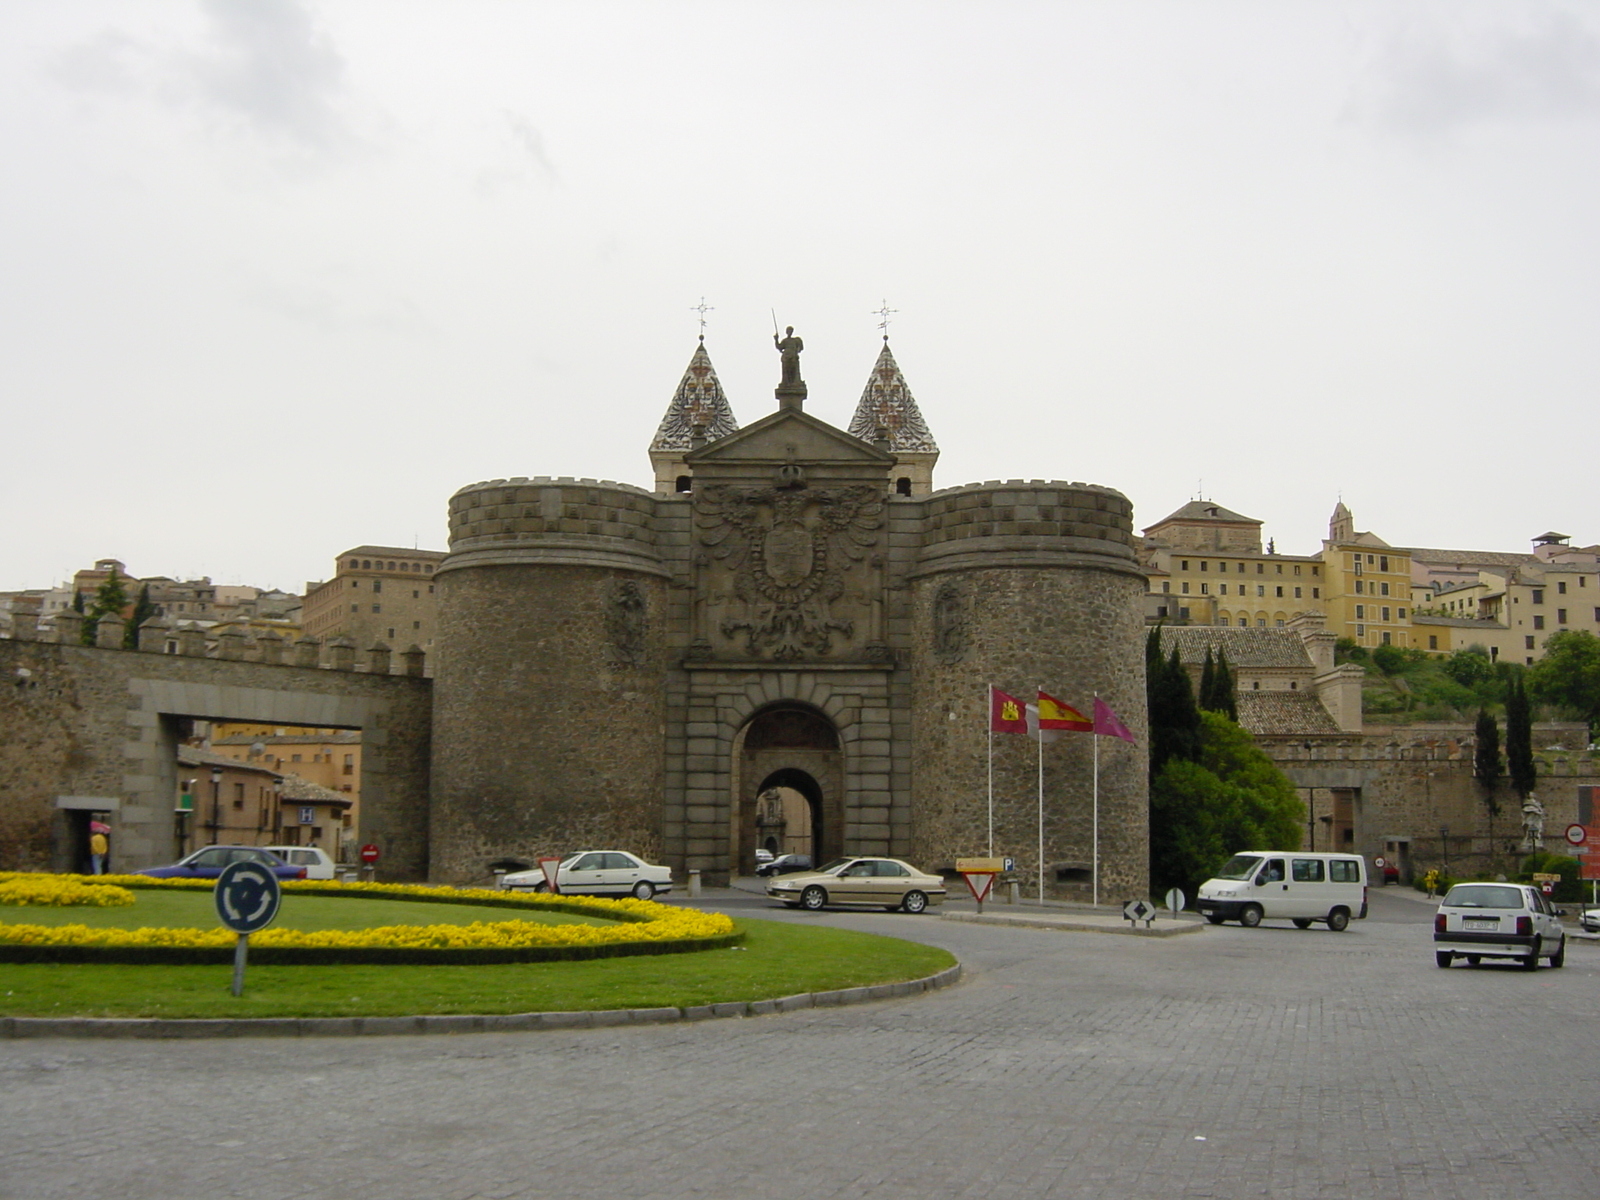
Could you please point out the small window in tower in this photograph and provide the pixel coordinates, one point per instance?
(902, 486)
(684, 484)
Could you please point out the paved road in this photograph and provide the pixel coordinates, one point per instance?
(1232, 1063)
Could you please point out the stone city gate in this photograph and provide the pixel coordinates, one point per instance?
(98, 728)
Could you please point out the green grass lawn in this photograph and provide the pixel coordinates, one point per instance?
(776, 959)
(185, 909)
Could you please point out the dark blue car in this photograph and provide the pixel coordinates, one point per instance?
(207, 863)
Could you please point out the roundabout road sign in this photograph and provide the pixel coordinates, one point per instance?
(247, 896)
(1577, 834)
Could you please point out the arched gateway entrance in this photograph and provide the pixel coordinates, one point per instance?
(789, 784)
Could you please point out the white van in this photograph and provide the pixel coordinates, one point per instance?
(1291, 885)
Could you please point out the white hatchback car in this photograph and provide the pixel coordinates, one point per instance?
(596, 873)
(314, 859)
(1476, 921)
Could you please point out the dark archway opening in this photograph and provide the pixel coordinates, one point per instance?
(791, 784)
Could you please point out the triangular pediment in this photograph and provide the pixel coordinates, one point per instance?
(789, 435)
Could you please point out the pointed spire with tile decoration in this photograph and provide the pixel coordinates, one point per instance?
(699, 413)
(888, 415)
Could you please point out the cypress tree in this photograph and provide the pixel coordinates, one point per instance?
(1208, 684)
(143, 609)
(1226, 688)
(1520, 766)
(1174, 716)
(1486, 766)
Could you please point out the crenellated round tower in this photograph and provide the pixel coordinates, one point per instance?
(1028, 586)
(548, 705)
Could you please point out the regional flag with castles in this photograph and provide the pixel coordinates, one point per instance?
(1055, 715)
(1005, 713)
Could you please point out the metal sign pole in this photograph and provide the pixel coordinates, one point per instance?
(239, 951)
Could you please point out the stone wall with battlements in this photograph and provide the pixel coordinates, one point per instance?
(100, 727)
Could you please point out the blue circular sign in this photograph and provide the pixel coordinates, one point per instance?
(247, 896)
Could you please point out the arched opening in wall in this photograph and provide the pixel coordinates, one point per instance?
(789, 787)
(902, 486)
(684, 484)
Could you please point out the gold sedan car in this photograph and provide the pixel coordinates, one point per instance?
(884, 882)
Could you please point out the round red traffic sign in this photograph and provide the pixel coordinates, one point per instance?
(1577, 834)
(369, 853)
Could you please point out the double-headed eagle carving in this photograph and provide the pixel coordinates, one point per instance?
(788, 550)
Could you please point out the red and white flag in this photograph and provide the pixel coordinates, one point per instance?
(1108, 724)
(1006, 713)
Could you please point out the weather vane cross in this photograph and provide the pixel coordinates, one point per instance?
(883, 314)
(702, 308)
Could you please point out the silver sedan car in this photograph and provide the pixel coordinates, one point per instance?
(884, 882)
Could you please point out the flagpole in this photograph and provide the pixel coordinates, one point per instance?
(989, 703)
(1041, 800)
(1096, 735)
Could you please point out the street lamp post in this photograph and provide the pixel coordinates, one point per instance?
(216, 802)
(1444, 847)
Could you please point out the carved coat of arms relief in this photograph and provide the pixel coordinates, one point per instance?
(785, 565)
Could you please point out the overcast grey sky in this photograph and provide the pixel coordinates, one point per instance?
(279, 276)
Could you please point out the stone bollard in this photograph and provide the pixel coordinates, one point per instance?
(378, 659)
(1013, 892)
(694, 883)
(69, 628)
(499, 878)
(269, 647)
(153, 635)
(341, 655)
(414, 659)
(230, 645)
(307, 651)
(108, 633)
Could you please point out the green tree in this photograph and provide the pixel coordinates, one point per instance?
(143, 609)
(1487, 767)
(1524, 772)
(1469, 667)
(1231, 798)
(1174, 716)
(1388, 659)
(109, 598)
(1226, 694)
(1208, 683)
(1569, 674)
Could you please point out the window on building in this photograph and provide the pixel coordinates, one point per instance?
(355, 564)
(1205, 589)
(1361, 631)
(1386, 637)
(1316, 593)
(1401, 613)
(1538, 622)
(416, 624)
(1262, 591)
(391, 635)
(1360, 589)
(430, 586)
(1261, 568)
(1361, 611)
(355, 608)
(1280, 568)
(366, 564)
(1297, 570)
(1183, 614)
(1185, 565)
(1184, 586)
(294, 758)
(1369, 560)
(416, 595)
(238, 795)
(1385, 612)
(1241, 568)
(1243, 621)
(355, 583)
(430, 569)
(1538, 595)
(1561, 616)
(1383, 589)
(377, 608)
(1561, 586)
(1166, 586)
(377, 585)
(1383, 562)
(1297, 593)
(349, 764)
(1527, 642)
(1316, 572)
(1255, 685)
(1433, 642)
(1205, 566)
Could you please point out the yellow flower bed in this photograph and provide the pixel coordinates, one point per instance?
(62, 891)
(637, 921)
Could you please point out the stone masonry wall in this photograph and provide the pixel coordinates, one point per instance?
(85, 721)
(548, 715)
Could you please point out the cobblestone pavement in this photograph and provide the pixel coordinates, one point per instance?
(1233, 1063)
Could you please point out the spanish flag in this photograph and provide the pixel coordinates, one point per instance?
(1055, 715)
(1005, 713)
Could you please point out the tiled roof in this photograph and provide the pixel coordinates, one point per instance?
(699, 400)
(296, 788)
(1205, 510)
(1468, 558)
(887, 401)
(1284, 713)
(397, 551)
(1249, 648)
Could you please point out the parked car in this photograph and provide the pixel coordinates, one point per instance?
(1590, 920)
(1300, 886)
(763, 855)
(596, 873)
(785, 864)
(885, 882)
(1476, 921)
(207, 863)
(313, 858)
